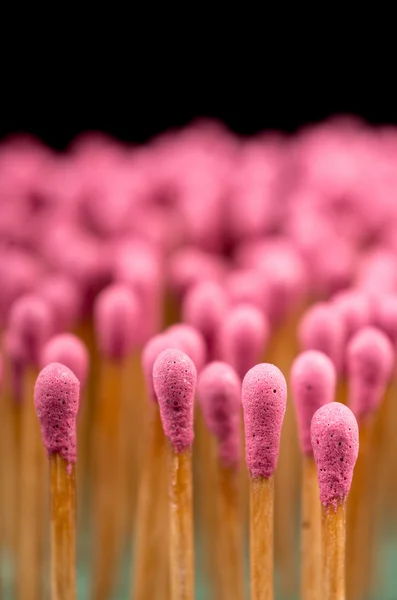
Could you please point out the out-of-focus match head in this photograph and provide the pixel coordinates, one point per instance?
(264, 398)
(335, 442)
(30, 324)
(69, 350)
(354, 308)
(63, 296)
(191, 342)
(155, 346)
(313, 381)
(219, 395)
(174, 379)
(116, 319)
(369, 360)
(56, 399)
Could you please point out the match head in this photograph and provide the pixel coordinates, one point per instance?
(313, 381)
(369, 361)
(56, 399)
(243, 336)
(335, 442)
(63, 296)
(264, 398)
(67, 349)
(191, 342)
(116, 318)
(155, 346)
(219, 395)
(354, 308)
(31, 324)
(174, 380)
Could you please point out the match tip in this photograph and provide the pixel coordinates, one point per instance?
(370, 360)
(174, 380)
(63, 296)
(321, 328)
(155, 346)
(190, 340)
(31, 323)
(56, 399)
(313, 381)
(67, 349)
(116, 321)
(264, 397)
(335, 441)
(219, 391)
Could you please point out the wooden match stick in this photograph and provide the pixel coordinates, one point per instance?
(334, 433)
(174, 380)
(264, 396)
(56, 399)
(313, 381)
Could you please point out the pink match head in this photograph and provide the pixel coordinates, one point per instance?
(264, 398)
(67, 349)
(30, 324)
(18, 275)
(116, 318)
(243, 336)
(63, 296)
(335, 442)
(219, 394)
(369, 361)
(321, 328)
(313, 381)
(155, 346)
(56, 399)
(190, 265)
(190, 341)
(354, 308)
(385, 317)
(174, 380)
(204, 307)
(247, 286)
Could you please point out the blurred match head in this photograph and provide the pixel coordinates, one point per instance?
(155, 346)
(67, 349)
(191, 342)
(335, 441)
(243, 337)
(30, 325)
(116, 319)
(56, 399)
(313, 381)
(264, 398)
(369, 360)
(174, 380)
(354, 308)
(219, 395)
(63, 296)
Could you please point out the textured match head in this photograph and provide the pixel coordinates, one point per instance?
(56, 399)
(69, 350)
(243, 336)
(335, 442)
(321, 328)
(155, 346)
(369, 363)
(63, 296)
(30, 324)
(219, 395)
(116, 318)
(264, 398)
(313, 381)
(191, 341)
(174, 380)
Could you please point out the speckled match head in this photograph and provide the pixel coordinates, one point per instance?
(219, 395)
(191, 342)
(155, 346)
(243, 337)
(174, 380)
(116, 318)
(264, 398)
(30, 324)
(67, 349)
(321, 328)
(56, 399)
(313, 381)
(335, 442)
(369, 361)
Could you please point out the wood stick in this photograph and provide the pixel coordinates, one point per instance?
(63, 529)
(333, 527)
(261, 538)
(310, 533)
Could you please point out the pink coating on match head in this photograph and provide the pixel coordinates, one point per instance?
(204, 307)
(117, 321)
(219, 395)
(190, 265)
(369, 361)
(30, 323)
(63, 296)
(322, 328)
(354, 308)
(243, 336)
(174, 380)
(335, 441)
(191, 342)
(56, 399)
(264, 398)
(69, 350)
(247, 286)
(385, 315)
(155, 346)
(18, 275)
(313, 382)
